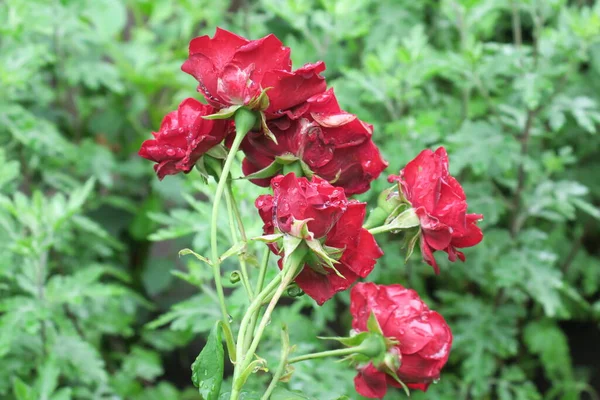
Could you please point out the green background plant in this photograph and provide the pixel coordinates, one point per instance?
(94, 301)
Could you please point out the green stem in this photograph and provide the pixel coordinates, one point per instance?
(244, 121)
(329, 353)
(259, 286)
(252, 310)
(288, 277)
(263, 269)
(281, 281)
(379, 229)
(234, 237)
(285, 352)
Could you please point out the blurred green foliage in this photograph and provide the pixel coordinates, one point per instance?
(89, 307)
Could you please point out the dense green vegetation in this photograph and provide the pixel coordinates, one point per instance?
(95, 302)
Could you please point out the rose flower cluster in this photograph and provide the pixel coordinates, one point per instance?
(314, 156)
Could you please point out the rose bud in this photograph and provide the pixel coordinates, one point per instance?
(440, 204)
(324, 139)
(234, 71)
(184, 136)
(423, 339)
(320, 216)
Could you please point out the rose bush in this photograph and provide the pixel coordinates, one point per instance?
(423, 336)
(332, 219)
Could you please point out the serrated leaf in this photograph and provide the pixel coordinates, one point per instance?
(547, 340)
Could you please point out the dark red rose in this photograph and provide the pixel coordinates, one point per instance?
(423, 335)
(233, 70)
(334, 220)
(183, 138)
(332, 143)
(440, 204)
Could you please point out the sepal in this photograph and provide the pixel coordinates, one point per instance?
(407, 218)
(224, 113)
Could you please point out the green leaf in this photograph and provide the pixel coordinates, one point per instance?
(237, 248)
(224, 113)
(48, 378)
(267, 172)
(547, 340)
(207, 370)
(244, 395)
(351, 341)
(185, 252)
(283, 394)
(109, 17)
(22, 391)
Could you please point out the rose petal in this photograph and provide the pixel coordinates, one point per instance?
(290, 89)
(370, 382)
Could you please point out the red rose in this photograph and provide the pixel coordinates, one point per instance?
(233, 70)
(334, 220)
(423, 335)
(183, 138)
(440, 204)
(332, 143)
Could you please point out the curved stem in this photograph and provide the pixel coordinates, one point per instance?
(263, 269)
(234, 237)
(285, 352)
(288, 277)
(281, 281)
(241, 130)
(252, 310)
(259, 286)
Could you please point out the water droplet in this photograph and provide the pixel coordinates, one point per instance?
(230, 318)
(401, 331)
(269, 321)
(436, 381)
(170, 152)
(424, 318)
